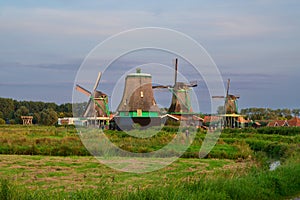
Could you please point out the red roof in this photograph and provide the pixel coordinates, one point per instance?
(208, 119)
(242, 120)
(277, 123)
(294, 121)
(196, 118)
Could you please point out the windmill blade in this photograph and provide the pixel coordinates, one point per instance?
(220, 97)
(161, 86)
(192, 84)
(176, 71)
(228, 85)
(88, 108)
(97, 81)
(82, 90)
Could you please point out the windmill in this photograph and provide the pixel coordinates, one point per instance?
(138, 105)
(231, 116)
(97, 106)
(181, 98)
(230, 105)
(181, 107)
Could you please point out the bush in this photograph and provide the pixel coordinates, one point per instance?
(289, 131)
(12, 121)
(2, 121)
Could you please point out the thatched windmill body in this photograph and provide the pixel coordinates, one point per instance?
(97, 108)
(138, 105)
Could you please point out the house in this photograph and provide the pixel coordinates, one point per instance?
(294, 122)
(256, 125)
(229, 121)
(212, 121)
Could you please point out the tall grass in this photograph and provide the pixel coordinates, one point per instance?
(282, 183)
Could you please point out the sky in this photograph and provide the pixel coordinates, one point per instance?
(254, 43)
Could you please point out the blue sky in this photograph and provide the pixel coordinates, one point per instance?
(255, 43)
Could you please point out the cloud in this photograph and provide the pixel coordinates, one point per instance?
(254, 43)
(104, 23)
(54, 67)
(67, 22)
(40, 84)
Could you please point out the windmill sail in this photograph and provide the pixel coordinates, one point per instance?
(97, 105)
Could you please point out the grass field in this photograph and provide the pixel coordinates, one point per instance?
(74, 173)
(237, 168)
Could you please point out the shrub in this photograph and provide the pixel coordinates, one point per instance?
(280, 130)
(2, 121)
(12, 121)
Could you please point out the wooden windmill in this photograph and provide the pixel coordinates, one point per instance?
(138, 105)
(181, 107)
(231, 116)
(97, 106)
(181, 98)
(230, 105)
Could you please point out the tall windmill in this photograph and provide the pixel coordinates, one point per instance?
(97, 105)
(230, 104)
(138, 105)
(181, 98)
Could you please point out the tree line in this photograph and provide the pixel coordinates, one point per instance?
(43, 113)
(48, 113)
(270, 114)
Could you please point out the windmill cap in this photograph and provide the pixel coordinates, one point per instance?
(139, 74)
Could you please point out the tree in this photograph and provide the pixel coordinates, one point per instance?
(6, 107)
(79, 108)
(36, 118)
(221, 110)
(22, 111)
(296, 112)
(48, 117)
(286, 113)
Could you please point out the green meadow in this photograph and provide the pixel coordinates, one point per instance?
(48, 162)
